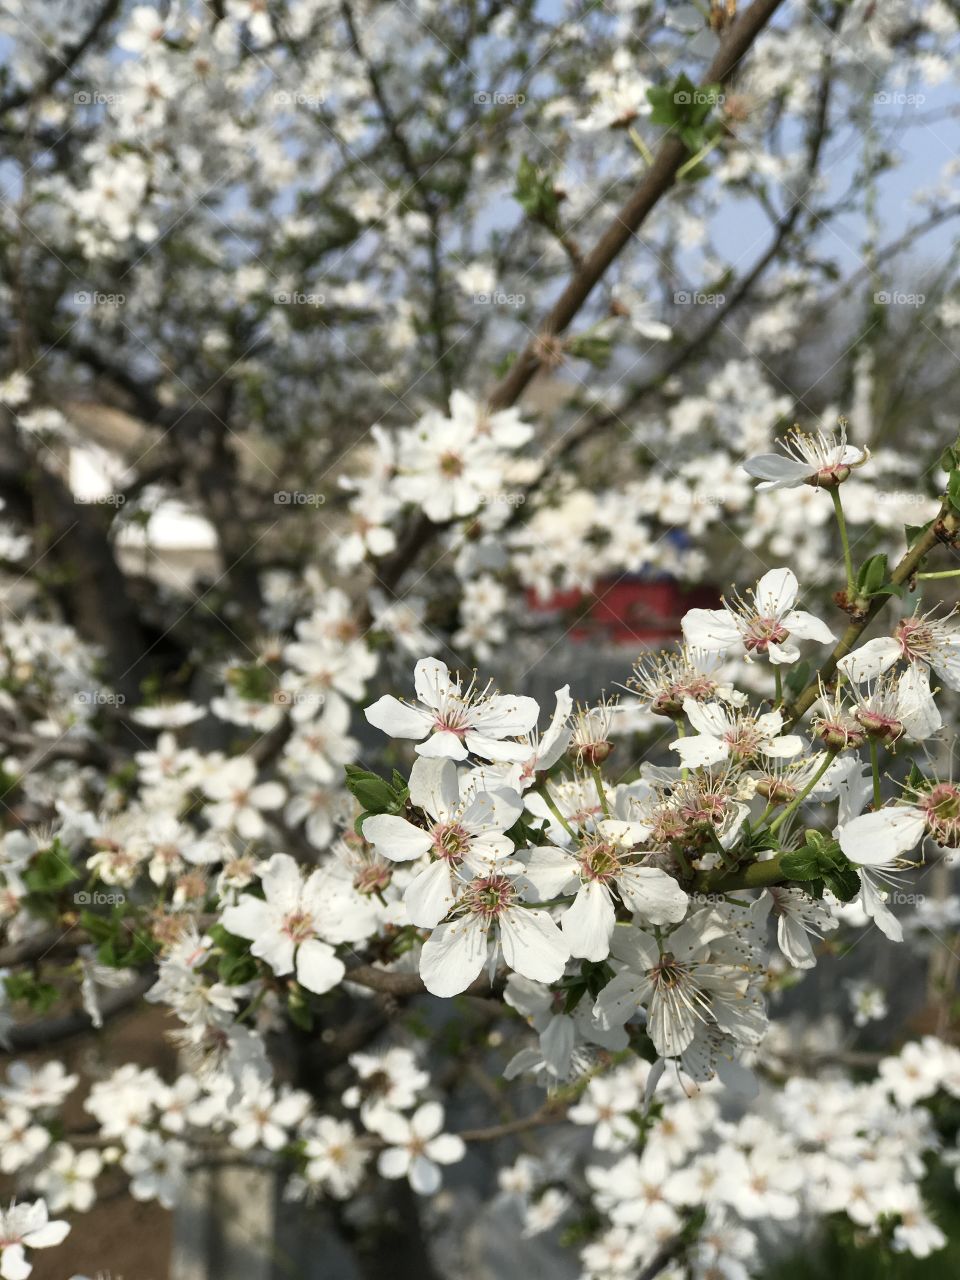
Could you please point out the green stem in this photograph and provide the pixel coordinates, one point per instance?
(641, 146)
(695, 159)
(875, 766)
(601, 793)
(552, 806)
(943, 573)
(797, 801)
(845, 541)
(777, 687)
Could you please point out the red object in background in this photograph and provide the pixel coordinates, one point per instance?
(627, 610)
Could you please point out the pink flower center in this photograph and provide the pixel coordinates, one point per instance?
(298, 925)
(489, 897)
(451, 843)
(762, 633)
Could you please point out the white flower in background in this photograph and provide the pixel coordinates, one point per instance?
(502, 427)
(26, 1226)
(456, 952)
(335, 1157)
(456, 721)
(597, 868)
(868, 1003)
(392, 1079)
(157, 1168)
(726, 734)
(37, 1087)
(285, 926)
(766, 623)
(263, 1118)
(444, 471)
(417, 1147)
(562, 1052)
(239, 798)
(464, 838)
(890, 706)
(21, 1139)
(67, 1180)
(607, 1104)
(545, 1212)
(823, 459)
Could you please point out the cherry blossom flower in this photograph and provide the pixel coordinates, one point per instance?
(285, 925)
(766, 624)
(26, 1226)
(239, 799)
(417, 1147)
(456, 721)
(724, 734)
(456, 952)
(598, 867)
(464, 838)
(823, 459)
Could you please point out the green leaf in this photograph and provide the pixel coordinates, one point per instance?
(873, 575)
(50, 870)
(953, 490)
(535, 193)
(370, 790)
(843, 882)
(801, 864)
(914, 532)
(40, 996)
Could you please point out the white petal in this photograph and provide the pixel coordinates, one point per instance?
(709, 629)
(442, 744)
(532, 944)
(870, 660)
(805, 626)
(778, 472)
(700, 750)
(916, 707)
(448, 1148)
(430, 895)
(652, 894)
(453, 956)
(434, 786)
(282, 882)
(431, 680)
(776, 592)
(398, 719)
(549, 870)
(878, 839)
(588, 924)
(394, 1162)
(318, 968)
(425, 1177)
(396, 838)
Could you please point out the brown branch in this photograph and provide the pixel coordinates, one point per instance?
(656, 182)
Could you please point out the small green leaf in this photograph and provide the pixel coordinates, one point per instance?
(801, 864)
